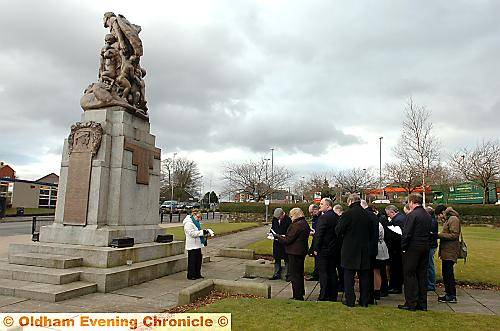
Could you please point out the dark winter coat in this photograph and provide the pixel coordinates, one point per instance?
(417, 230)
(399, 220)
(374, 236)
(434, 233)
(296, 238)
(356, 228)
(325, 238)
(280, 228)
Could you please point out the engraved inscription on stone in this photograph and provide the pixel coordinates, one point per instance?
(77, 191)
(142, 157)
(84, 142)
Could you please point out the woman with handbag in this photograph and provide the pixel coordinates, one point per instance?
(449, 249)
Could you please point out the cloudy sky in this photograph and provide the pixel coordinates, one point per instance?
(318, 81)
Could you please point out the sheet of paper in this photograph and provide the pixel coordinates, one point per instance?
(396, 229)
(211, 232)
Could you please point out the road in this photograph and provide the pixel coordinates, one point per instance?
(22, 225)
(10, 228)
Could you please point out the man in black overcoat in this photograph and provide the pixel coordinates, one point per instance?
(325, 248)
(356, 228)
(415, 247)
(280, 225)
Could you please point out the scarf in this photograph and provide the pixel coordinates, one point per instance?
(198, 225)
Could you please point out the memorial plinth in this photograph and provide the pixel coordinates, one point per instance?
(123, 185)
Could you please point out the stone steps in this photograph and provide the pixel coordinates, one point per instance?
(45, 260)
(45, 292)
(111, 279)
(38, 274)
(102, 257)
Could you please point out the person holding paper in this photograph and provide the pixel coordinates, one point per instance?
(295, 241)
(196, 238)
(415, 248)
(280, 225)
(392, 238)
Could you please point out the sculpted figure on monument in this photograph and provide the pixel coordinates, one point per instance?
(120, 76)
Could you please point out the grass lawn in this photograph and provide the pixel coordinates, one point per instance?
(31, 211)
(219, 228)
(276, 314)
(482, 265)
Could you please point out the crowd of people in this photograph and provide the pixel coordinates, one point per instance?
(390, 251)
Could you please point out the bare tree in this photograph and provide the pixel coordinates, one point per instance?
(480, 165)
(355, 180)
(417, 146)
(315, 182)
(255, 178)
(403, 174)
(183, 175)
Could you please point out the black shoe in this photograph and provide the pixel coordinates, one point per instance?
(288, 279)
(394, 291)
(312, 279)
(347, 304)
(376, 295)
(447, 299)
(384, 294)
(405, 307)
(422, 308)
(275, 277)
(192, 278)
(298, 299)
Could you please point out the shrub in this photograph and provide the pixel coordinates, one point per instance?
(259, 207)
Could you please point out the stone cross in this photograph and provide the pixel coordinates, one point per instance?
(142, 157)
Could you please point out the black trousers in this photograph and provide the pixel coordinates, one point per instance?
(327, 278)
(296, 269)
(449, 278)
(415, 262)
(396, 271)
(364, 279)
(340, 273)
(315, 272)
(383, 276)
(194, 263)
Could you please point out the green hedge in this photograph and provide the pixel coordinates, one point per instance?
(259, 207)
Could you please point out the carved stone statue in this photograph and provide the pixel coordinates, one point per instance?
(121, 77)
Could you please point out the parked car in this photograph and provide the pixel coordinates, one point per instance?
(168, 206)
(381, 201)
(193, 205)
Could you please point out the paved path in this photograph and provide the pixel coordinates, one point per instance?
(162, 293)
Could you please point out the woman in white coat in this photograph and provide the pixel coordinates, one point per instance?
(196, 238)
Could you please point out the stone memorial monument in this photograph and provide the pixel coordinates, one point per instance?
(109, 189)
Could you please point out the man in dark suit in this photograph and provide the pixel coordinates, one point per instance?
(356, 228)
(415, 247)
(280, 225)
(393, 240)
(325, 247)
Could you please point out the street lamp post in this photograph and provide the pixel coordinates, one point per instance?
(172, 186)
(380, 166)
(303, 187)
(272, 173)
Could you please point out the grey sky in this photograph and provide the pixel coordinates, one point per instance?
(319, 81)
